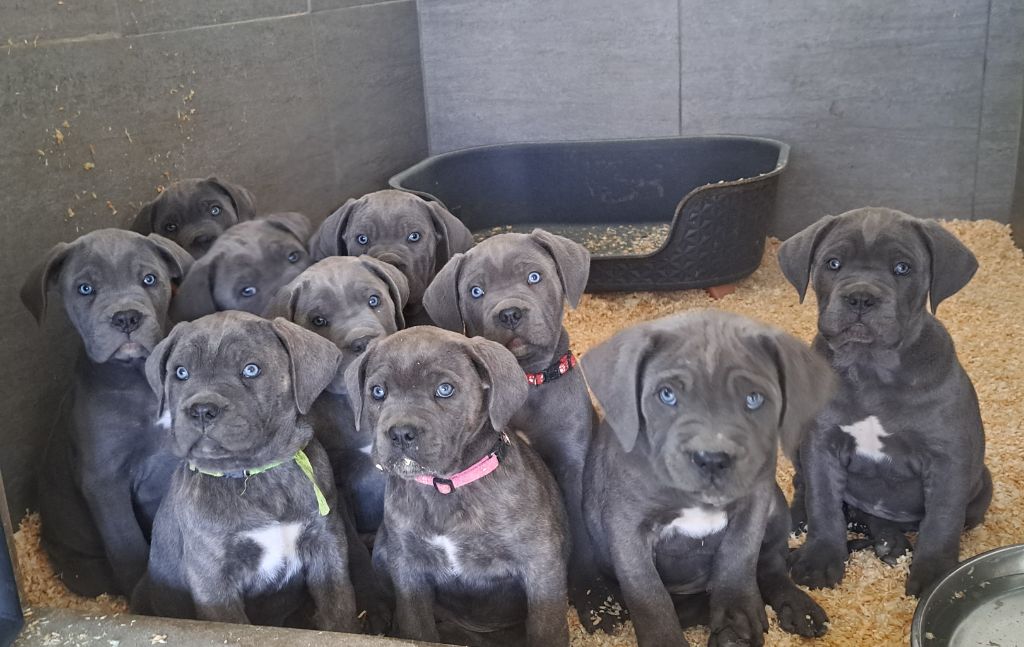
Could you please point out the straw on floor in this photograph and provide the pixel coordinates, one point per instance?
(987, 322)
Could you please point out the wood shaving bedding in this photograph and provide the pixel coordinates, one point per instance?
(986, 321)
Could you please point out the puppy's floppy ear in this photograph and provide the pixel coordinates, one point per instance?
(194, 297)
(952, 263)
(614, 372)
(292, 223)
(312, 359)
(442, 299)
(143, 221)
(806, 382)
(571, 259)
(355, 382)
(178, 261)
(454, 237)
(42, 277)
(398, 285)
(241, 198)
(329, 238)
(797, 253)
(503, 378)
(156, 365)
(285, 299)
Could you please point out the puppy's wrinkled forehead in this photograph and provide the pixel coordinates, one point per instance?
(870, 231)
(712, 349)
(512, 256)
(218, 341)
(418, 351)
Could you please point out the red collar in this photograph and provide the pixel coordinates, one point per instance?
(558, 368)
(474, 472)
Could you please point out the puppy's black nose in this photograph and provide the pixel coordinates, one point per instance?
(360, 344)
(203, 241)
(712, 463)
(861, 301)
(510, 318)
(204, 412)
(126, 320)
(403, 436)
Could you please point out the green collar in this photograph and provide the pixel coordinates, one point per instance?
(300, 459)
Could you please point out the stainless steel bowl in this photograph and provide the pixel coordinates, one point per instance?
(980, 603)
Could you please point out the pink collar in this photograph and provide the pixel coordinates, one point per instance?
(474, 472)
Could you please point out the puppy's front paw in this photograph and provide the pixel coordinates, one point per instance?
(598, 606)
(817, 566)
(799, 614)
(924, 572)
(737, 619)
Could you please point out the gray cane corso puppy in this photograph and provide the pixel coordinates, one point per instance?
(474, 537)
(194, 212)
(416, 236)
(902, 445)
(105, 469)
(512, 289)
(245, 267)
(680, 492)
(251, 523)
(350, 300)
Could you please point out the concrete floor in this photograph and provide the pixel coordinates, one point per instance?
(59, 627)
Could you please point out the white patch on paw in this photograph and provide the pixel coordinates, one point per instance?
(697, 523)
(867, 436)
(450, 550)
(279, 543)
(164, 421)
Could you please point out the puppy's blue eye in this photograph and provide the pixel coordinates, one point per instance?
(754, 401)
(533, 277)
(85, 289)
(901, 269)
(170, 228)
(378, 392)
(374, 301)
(181, 373)
(293, 257)
(319, 321)
(362, 239)
(248, 291)
(476, 291)
(414, 237)
(149, 279)
(834, 264)
(444, 390)
(668, 396)
(215, 210)
(250, 370)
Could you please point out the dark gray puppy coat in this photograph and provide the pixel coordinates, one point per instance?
(234, 389)
(400, 228)
(902, 444)
(105, 469)
(245, 267)
(194, 212)
(490, 556)
(511, 288)
(351, 301)
(680, 493)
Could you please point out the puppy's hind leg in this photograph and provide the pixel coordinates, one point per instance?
(370, 594)
(325, 558)
(884, 536)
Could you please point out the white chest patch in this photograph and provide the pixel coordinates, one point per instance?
(279, 543)
(450, 550)
(697, 522)
(367, 449)
(867, 435)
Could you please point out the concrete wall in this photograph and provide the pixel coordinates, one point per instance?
(305, 102)
(913, 104)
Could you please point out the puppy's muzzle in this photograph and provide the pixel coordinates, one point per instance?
(391, 258)
(860, 301)
(127, 321)
(403, 436)
(204, 410)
